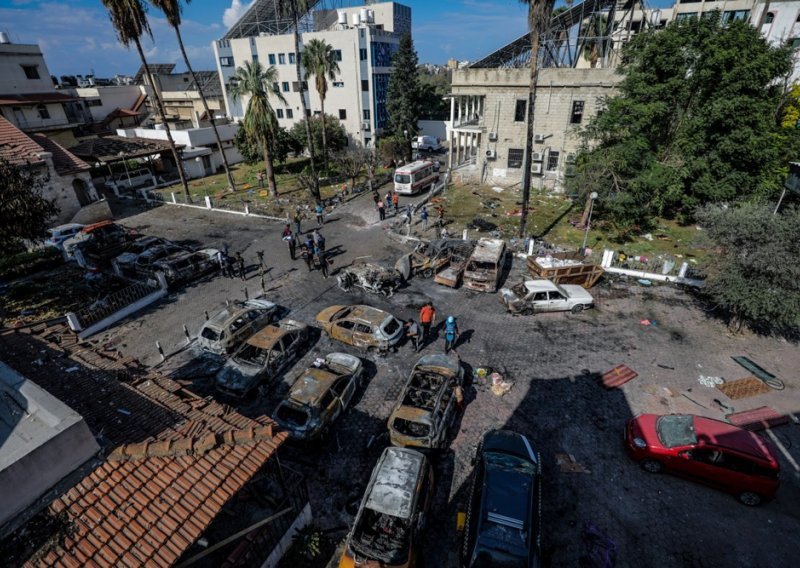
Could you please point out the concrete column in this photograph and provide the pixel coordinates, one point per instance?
(452, 113)
(451, 140)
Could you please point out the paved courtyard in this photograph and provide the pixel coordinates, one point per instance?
(554, 361)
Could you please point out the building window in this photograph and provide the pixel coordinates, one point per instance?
(295, 86)
(289, 113)
(275, 87)
(685, 16)
(577, 112)
(31, 71)
(271, 57)
(362, 54)
(515, 157)
(365, 85)
(255, 58)
(279, 112)
(226, 61)
(519, 110)
(337, 54)
(733, 15)
(342, 114)
(769, 18)
(291, 58)
(308, 112)
(281, 59)
(285, 86)
(338, 84)
(44, 114)
(366, 114)
(552, 161)
(795, 42)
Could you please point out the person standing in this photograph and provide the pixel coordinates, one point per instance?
(381, 210)
(320, 211)
(289, 238)
(412, 333)
(409, 213)
(396, 202)
(307, 253)
(319, 240)
(388, 200)
(322, 261)
(240, 266)
(260, 177)
(297, 220)
(375, 196)
(450, 334)
(427, 318)
(223, 263)
(424, 216)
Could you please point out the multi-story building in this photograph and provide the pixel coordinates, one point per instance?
(364, 40)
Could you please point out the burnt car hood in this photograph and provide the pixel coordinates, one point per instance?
(236, 376)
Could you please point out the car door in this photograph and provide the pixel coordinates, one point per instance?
(362, 335)
(342, 330)
(276, 358)
(329, 407)
(699, 464)
(538, 302)
(556, 302)
(344, 389)
(290, 346)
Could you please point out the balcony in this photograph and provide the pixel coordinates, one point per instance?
(47, 124)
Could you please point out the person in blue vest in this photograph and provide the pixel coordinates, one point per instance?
(450, 334)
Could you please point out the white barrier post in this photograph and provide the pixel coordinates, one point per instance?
(208, 202)
(174, 198)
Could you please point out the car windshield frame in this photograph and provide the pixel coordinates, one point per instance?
(215, 334)
(674, 430)
(246, 350)
(511, 462)
(402, 178)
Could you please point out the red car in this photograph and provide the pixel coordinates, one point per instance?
(709, 451)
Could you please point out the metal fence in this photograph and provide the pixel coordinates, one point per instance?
(111, 304)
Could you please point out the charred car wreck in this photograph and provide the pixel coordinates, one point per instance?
(374, 278)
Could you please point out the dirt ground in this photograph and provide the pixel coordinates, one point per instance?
(554, 361)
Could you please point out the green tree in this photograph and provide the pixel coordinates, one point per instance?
(539, 14)
(281, 145)
(296, 9)
(350, 163)
(433, 89)
(392, 148)
(403, 102)
(319, 60)
(336, 134)
(129, 19)
(260, 122)
(24, 211)
(172, 12)
(697, 121)
(754, 279)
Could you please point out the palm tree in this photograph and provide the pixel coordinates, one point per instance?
(130, 22)
(260, 123)
(593, 51)
(539, 14)
(294, 9)
(172, 11)
(319, 60)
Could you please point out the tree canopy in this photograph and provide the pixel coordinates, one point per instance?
(336, 136)
(404, 97)
(24, 211)
(697, 121)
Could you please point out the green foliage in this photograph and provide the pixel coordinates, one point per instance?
(25, 263)
(754, 279)
(305, 550)
(433, 89)
(24, 211)
(281, 145)
(404, 98)
(392, 148)
(695, 123)
(335, 133)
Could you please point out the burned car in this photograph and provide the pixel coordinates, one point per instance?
(534, 296)
(361, 326)
(143, 265)
(186, 266)
(388, 526)
(427, 405)
(235, 323)
(262, 358)
(429, 258)
(126, 262)
(374, 277)
(485, 265)
(319, 396)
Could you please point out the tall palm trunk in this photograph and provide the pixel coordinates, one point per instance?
(273, 187)
(208, 112)
(539, 15)
(162, 114)
(315, 189)
(324, 137)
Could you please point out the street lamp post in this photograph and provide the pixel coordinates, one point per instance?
(127, 173)
(592, 197)
(408, 145)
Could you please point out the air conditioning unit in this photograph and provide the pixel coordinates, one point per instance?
(365, 126)
(536, 156)
(536, 168)
(491, 154)
(570, 158)
(538, 138)
(493, 137)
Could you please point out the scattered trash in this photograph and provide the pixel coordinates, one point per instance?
(480, 224)
(499, 386)
(71, 369)
(568, 464)
(645, 282)
(743, 388)
(514, 213)
(648, 236)
(710, 382)
(498, 189)
(601, 551)
(757, 418)
(124, 411)
(770, 379)
(693, 400)
(665, 366)
(722, 406)
(618, 376)
(648, 322)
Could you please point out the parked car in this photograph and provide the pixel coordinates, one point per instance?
(319, 396)
(716, 453)
(230, 326)
(427, 406)
(373, 277)
(484, 267)
(126, 262)
(262, 357)
(503, 525)
(362, 326)
(389, 523)
(427, 143)
(145, 261)
(103, 240)
(57, 235)
(186, 266)
(534, 296)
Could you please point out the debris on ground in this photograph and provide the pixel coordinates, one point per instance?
(499, 386)
(770, 379)
(618, 376)
(648, 322)
(480, 224)
(601, 550)
(710, 382)
(743, 388)
(568, 464)
(757, 418)
(498, 189)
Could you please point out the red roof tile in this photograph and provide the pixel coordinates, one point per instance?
(17, 147)
(63, 160)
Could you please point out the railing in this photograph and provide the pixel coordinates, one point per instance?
(113, 303)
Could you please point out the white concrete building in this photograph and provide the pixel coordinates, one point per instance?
(364, 39)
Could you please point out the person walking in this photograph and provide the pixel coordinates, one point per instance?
(375, 196)
(320, 211)
(424, 216)
(409, 213)
(319, 240)
(396, 203)
(388, 200)
(427, 318)
(412, 333)
(297, 220)
(307, 253)
(230, 266)
(381, 210)
(240, 266)
(223, 262)
(322, 261)
(260, 177)
(450, 334)
(289, 238)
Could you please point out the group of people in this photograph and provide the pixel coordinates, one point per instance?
(231, 266)
(418, 334)
(312, 248)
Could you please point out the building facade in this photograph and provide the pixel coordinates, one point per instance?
(364, 41)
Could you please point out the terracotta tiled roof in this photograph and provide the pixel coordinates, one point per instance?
(35, 99)
(17, 147)
(139, 102)
(63, 160)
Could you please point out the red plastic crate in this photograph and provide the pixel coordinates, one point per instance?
(618, 376)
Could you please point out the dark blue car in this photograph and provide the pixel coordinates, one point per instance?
(503, 517)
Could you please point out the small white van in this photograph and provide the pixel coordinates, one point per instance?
(428, 143)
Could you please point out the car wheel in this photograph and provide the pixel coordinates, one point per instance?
(750, 499)
(526, 311)
(652, 466)
(578, 308)
(427, 273)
